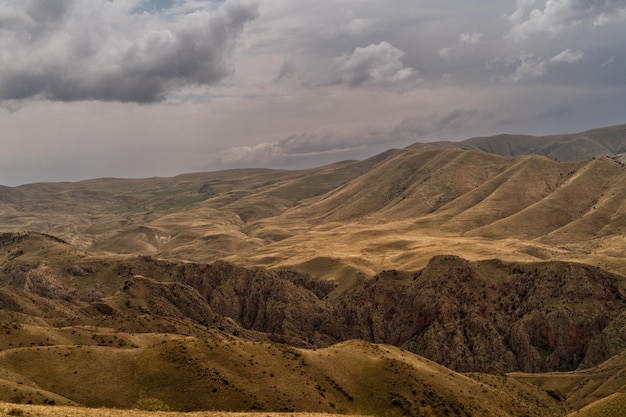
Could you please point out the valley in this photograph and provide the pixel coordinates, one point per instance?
(439, 279)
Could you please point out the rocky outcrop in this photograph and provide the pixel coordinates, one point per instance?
(491, 316)
(261, 301)
(487, 316)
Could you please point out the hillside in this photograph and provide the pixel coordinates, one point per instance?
(605, 141)
(108, 330)
(394, 211)
(464, 279)
(487, 316)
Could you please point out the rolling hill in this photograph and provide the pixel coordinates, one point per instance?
(396, 210)
(330, 289)
(605, 141)
(108, 330)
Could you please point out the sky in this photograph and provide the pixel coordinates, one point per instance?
(142, 88)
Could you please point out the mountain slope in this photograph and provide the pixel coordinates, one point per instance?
(64, 314)
(605, 141)
(234, 375)
(470, 316)
(392, 211)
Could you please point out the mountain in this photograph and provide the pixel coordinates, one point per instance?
(605, 141)
(108, 330)
(394, 211)
(486, 316)
(330, 289)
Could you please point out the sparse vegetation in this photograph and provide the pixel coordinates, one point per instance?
(151, 404)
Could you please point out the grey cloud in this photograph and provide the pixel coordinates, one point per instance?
(568, 56)
(286, 71)
(302, 146)
(120, 56)
(359, 26)
(314, 147)
(556, 15)
(448, 126)
(31, 20)
(529, 66)
(376, 64)
(470, 38)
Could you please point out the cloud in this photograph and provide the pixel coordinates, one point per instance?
(109, 51)
(568, 56)
(313, 146)
(359, 26)
(296, 147)
(286, 71)
(376, 64)
(444, 52)
(466, 39)
(600, 20)
(470, 38)
(529, 66)
(556, 15)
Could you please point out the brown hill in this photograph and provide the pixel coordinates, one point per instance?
(470, 316)
(605, 141)
(599, 390)
(93, 313)
(235, 375)
(394, 211)
(492, 316)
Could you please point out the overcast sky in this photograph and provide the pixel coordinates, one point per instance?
(139, 88)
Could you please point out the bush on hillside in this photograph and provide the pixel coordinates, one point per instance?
(151, 404)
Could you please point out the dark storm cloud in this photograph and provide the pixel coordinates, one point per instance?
(119, 55)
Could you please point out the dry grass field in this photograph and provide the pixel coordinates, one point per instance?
(611, 406)
(394, 211)
(13, 410)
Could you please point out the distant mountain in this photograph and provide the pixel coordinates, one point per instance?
(606, 141)
(393, 211)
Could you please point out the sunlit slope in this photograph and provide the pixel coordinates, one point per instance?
(396, 210)
(162, 215)
(478, 205)
(600, 390)
(230, 374)
(605, 141)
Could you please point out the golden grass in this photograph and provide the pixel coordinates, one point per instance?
(394, 211)
(611, 406)
(13, 410)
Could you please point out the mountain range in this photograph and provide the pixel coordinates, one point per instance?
(484, 277)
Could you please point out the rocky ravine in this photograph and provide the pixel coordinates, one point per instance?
(485, 316)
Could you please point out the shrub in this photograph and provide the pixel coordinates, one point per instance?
(151, 404)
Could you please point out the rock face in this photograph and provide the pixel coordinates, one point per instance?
(487, 316)
(491, 316)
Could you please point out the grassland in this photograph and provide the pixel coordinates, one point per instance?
(13, 410)
(394, 211)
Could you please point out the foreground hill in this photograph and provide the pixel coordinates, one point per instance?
(235, 375)
(109, 330)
